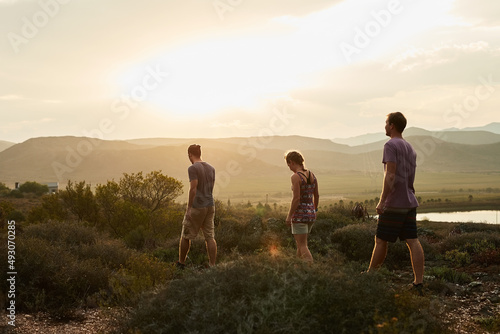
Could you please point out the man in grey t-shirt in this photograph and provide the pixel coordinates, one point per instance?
(200, 210)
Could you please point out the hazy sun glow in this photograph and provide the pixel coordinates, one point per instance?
(225, 73)
(218, 75)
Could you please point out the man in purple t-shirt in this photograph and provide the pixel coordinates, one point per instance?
(397, 205)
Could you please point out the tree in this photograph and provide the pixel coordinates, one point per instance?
(79, 199)
(108, 199)
(153, 191)
(52, 207)
(4, 190)
(136, 207)
(34, 187)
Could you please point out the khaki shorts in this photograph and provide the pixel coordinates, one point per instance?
(201, 218)
(302, 228)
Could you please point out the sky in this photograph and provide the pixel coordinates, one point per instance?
(126, 69)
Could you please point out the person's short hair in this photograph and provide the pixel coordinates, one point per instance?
(398, 119)
(195, 150)
(294, 156)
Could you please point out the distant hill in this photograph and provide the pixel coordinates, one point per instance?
(470, 136)
(492, 127)
(240, 144)
(51, 159)
(5, 145)
(361, 139)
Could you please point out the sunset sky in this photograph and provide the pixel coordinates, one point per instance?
(123, 69)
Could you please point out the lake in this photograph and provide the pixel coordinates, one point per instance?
(482, 216)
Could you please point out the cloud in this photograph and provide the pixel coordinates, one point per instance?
(8, 2)
(11, 97)
(415, 59)
(18, 98)
(478, 13)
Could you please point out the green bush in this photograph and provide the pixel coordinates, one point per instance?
(34, 187)
(479, 246)
(140, 273)
(449, 275)
(491, 324)
(68, 234)
(248, 235)
(54, 280)
(475, 227)
(260, 294)
(488, 257)
(398, 254)
(64, 265)
(457, 258)
(355, 241)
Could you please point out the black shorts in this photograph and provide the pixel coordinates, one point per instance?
(393, 225)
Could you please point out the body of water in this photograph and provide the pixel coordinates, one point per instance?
(484, 216)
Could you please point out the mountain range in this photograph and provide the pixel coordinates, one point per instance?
(58, 159)
(487, 134)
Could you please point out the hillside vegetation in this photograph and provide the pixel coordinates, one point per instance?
(112, 248)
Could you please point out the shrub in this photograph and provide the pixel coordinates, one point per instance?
(53, 280)
(355, 241)
(449, 275)
(259, 294)
(64, 265)
(480, 246)
(34, 187)
(68, 234)
(488, 257)
(398, 254)
(458, 258)
(458, 241)
(247, 235)
(491, 324)
(475, 227)
(140, 273)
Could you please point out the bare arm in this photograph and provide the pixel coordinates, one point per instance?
(192, 193)
(316, 195)
(295, 199)
(388, 185)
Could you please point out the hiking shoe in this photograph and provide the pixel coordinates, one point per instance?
(180, 265)
(418, 288)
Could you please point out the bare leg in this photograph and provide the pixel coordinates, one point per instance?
(379, 254)
(212, 251)
(184, 245)
(302, 249)
(417, 259)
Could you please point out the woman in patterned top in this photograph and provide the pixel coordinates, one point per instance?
(304, 204)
